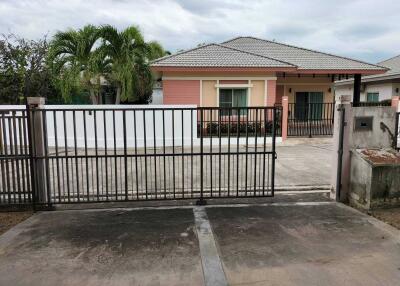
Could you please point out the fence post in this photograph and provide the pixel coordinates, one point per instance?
(37, 141)
(341, 151)
(285, 117)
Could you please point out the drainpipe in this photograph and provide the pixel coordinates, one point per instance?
(342, 111)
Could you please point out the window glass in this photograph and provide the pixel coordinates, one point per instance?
(233, 98)
(225, 97)
(373, 97)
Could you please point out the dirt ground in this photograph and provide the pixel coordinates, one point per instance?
(390, 216)
(9, 219)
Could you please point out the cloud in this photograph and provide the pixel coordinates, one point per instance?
(368, 30)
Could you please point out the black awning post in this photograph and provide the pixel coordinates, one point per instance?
(356, 88)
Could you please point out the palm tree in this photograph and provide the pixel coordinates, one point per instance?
(125, 50)
(76, 62)
(156, 51)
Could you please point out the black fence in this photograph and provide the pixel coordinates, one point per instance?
(312, 119)
(124, 154)
(366, 104)
(15, 159)
(397, 131)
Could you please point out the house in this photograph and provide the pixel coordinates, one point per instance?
(375, 88)
(248, 71)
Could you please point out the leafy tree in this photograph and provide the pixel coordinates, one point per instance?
(23, 70)
(156, 51)
(129, 56)
(76, 63)
(125, 50)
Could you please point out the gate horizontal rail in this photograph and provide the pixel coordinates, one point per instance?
(157, 153)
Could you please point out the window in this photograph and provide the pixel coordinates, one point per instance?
(232, 98)
(373, 97)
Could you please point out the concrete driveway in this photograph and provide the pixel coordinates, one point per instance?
(315, 243)
(304, 162)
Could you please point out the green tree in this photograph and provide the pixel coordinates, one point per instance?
(23, 70)
(77, 63)
(129, 56)
(156, 51)
(125, 50)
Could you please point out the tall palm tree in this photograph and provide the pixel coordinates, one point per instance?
(125, 50)
(76, 62)
(156, 51)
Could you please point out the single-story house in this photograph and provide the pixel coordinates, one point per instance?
(247, 71)
(375, 88)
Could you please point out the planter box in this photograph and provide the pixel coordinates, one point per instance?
(374, 178)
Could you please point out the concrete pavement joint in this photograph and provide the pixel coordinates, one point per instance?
(239, 205)
(213, 271)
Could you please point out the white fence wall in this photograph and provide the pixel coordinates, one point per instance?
(146, 123)
(178, 124)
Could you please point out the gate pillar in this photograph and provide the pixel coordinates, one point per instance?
(341, 149)
(37, 141)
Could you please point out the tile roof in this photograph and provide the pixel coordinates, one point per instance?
(253, 52)
(393, 64)
(303, 58)
(215, 55)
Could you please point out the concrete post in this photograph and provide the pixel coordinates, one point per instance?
(38, 148)
(285, 117)
(341, 150)
(396, 103)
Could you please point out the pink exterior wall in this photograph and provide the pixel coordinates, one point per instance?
(271, 92)
(181, 92)
(279, 94)
(233, 82)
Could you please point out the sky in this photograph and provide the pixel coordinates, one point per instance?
(368, 30)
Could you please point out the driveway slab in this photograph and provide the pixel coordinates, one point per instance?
(275, 243)
(303, 245)
(108, 247)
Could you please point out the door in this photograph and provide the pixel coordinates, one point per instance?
(301, 107)
(316, 100)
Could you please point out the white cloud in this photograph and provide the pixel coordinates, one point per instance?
(365, 29)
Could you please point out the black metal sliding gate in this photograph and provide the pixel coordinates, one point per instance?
(15, 158)
(123, 154)
(311, 119)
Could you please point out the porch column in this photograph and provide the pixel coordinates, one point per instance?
(357, 88)
(285, 117)
(396, 102)
(270, 92)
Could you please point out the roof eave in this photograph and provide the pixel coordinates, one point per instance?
(371, 79)
(222, 69)
(342, 71)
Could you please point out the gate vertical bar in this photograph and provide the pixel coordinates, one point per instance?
(201, 201)
(273, 151)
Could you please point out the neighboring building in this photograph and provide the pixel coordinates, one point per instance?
(375, 88)
(247, 71)
(157, 96)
